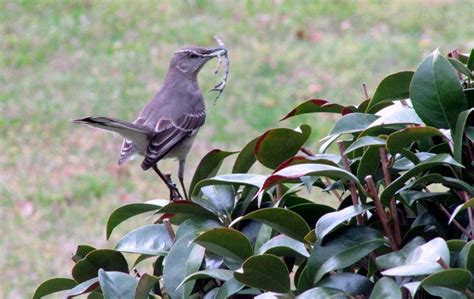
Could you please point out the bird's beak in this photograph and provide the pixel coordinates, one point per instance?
(217, 52)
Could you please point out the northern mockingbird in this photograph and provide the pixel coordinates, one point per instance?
(168, 124)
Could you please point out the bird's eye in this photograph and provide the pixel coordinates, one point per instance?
(192, 55)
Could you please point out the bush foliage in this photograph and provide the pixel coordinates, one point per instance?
(400, 165)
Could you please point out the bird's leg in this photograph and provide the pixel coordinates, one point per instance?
(181, 178)
(174, 192)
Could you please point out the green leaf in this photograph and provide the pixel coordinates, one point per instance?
(277, 145)
(466, 257)
(227, 242)
(352, 123)
(236, 179)
(254, 273)
(343, 240)
(195, 226)
(218, 199)
(411, 196)
(184, 258)
(314, 106)
(467, 204)
(395, 186)
(282, 245)
(185, 209)
(54, 285)
(330, 221)
(152, 239)
(412, 287)
(84, 287)
(117, 284)
(436, 93)
(470, 61)
(386, 288)
(394, 115)
(457, 279)
(347, 257)
(300, 170)
(402, 139)
(208, 166)
(322, 293)
(397, 258)
(145, 285)
(393, 87)
(435, 178)
(364, 142)
(350, 283)
(220, 274)
(81, 252)
(282, 220)
(422, 260)
(460, 67)
(125, 212)
(369, 162)
(229, 288)
(459, 134)
(109, 260)
(444, 292)
(246, 158)
(311, 212)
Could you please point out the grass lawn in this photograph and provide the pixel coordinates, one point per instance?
(65, 59)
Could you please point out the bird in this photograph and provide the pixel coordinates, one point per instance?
(167, 126)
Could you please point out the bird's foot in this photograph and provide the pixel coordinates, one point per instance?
(174, 193)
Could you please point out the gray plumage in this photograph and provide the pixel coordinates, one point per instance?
(166, 127)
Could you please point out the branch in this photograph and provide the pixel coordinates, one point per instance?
(455, 222)
(393, 202)
(380, 211)
(352, 186)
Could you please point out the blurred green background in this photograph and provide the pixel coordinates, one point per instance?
(65, 59)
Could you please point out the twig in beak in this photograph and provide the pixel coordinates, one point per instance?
(221, 59)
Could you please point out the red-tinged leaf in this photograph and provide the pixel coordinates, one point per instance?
(328, 159)
(180, 210)
(297, 171)
(54, 285)
(314, 106)
(278, 145)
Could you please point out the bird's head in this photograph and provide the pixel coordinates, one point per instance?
(190, 60)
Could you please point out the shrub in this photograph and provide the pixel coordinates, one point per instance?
(402, 227)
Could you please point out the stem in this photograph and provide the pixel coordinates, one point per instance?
(339, 197)
(307, 151)
(393, 202)
(366, 93)
(459, 226)
(279, 192)
(469, 210)
(352, 186)
(380, 211)
(442, 263)
(169, 228)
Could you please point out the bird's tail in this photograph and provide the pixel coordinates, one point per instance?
(138, 134)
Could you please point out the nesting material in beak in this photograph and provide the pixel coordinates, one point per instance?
(222, 57)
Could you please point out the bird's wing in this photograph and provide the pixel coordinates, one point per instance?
(129, 148)
(168, 133)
